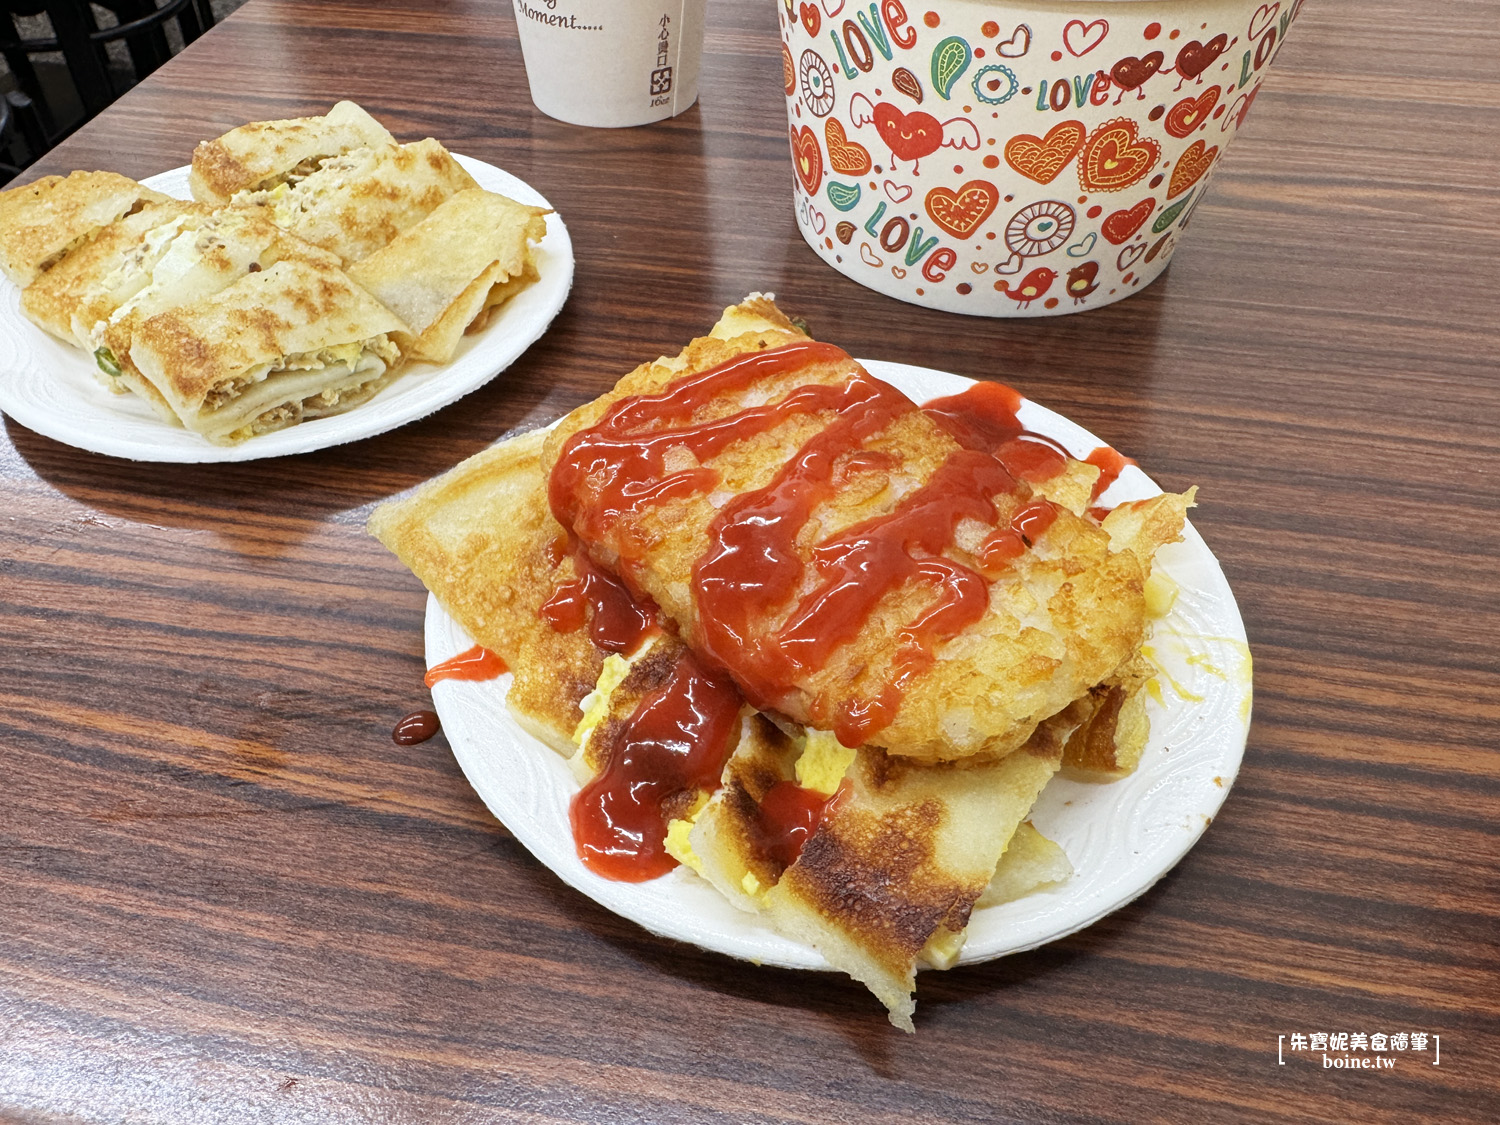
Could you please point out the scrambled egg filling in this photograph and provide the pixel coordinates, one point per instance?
(821, 766)
(823, 763)
(595, 705)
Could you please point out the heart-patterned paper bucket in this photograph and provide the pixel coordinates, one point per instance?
(1014, 159)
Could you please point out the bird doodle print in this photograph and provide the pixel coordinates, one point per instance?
(971, 163)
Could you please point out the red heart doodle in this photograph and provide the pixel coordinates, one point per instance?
(808, 158)
(1080, 38)
(961, 212)
(1130, 256)
(910, 136)
(1017, 45)
(846, 157)
(1262, 19)
(1190, 167)
(788, 71)
(1114, 157)
(1132, 73)
(1189, 113)
(1195, 57)
(1120, 226)
(1042, 158)
(1240, 111)
(811, 19)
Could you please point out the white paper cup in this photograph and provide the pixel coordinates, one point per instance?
(1014, 157)
(611, 63)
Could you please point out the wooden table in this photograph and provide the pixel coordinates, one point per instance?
(226, 895)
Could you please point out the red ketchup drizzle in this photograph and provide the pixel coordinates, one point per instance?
(755, 616)
(1111, 463)
(789, 816)
(675, 743)
(478, 663)
(984, 418)
(619, 622)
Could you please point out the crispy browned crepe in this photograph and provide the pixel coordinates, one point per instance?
(205, 257)
(901, 850)
(481, 538)
(889, 879)
(91, 283)
(265, 154)
(360, 201)
(294, 341)
(41, 222)
(1059, 619)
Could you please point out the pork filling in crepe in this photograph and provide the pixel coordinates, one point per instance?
(289, 342)
(444, 275)
(189, 262)
(90, 284)
(42, 222)
(265, 154)
(359, 201)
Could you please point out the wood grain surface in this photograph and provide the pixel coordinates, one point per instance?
(227, 896)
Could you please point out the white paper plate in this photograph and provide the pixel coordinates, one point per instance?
(50, 387)
(1121, 837)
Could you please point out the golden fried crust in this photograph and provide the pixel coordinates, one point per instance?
(359, 202)
(42, 221)
(230, 245)
(1060, 619)
(93, 281)
(290, 308)
(479, 537)
(902, 857)
(246, 158)
(1114, 726)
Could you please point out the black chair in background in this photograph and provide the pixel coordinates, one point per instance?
(82, 43)
(22, 136)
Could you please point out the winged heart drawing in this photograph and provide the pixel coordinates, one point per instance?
(912, 136)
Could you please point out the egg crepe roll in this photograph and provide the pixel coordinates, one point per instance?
(894, 852)
(889, 878)
(42, 221)
(72, 297)
(448, 271)
(204, 256)
(288, 343)
(358, 202)
(265, 154)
